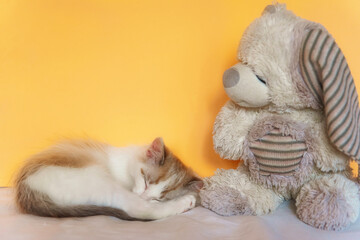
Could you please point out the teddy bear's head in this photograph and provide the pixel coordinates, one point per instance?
(288, 63)
(268, 72)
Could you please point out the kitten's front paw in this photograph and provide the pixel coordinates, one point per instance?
(185, 203)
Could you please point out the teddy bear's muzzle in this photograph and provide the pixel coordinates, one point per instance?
(244, 87)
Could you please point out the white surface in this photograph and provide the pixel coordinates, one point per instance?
(196, 224)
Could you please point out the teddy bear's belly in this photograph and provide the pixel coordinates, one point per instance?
(277, 154)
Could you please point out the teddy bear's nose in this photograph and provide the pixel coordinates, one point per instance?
(230, 78)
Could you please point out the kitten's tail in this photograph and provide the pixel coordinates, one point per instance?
(36, 203)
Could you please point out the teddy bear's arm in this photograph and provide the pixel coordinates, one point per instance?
(230, 129)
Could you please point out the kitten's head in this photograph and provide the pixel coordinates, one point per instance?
(165, 176)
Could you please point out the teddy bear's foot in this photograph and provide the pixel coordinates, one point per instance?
(330, 202)
(231, 192)
(226, 201)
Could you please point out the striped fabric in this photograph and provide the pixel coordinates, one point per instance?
(327, 75)
(278, 154)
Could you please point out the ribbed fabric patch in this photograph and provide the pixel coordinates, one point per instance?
(328, 77)
(278, 154)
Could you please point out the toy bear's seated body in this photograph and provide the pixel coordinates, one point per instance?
(294, 120)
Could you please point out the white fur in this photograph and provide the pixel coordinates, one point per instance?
(122, 166)
(73, 186)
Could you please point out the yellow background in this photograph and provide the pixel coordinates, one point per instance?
(128, 71)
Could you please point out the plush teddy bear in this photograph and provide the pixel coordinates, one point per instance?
(293, 118)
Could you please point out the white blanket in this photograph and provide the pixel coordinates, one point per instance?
(196, 224)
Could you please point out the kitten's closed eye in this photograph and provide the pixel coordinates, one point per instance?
(146, 185)
(145, 179)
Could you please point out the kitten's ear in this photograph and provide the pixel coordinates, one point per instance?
(156, 152)
(195, 184)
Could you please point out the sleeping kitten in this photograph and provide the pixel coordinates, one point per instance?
(83, 178)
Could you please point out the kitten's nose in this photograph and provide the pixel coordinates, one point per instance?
(230, 78)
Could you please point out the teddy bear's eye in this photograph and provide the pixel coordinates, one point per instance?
(261, 80)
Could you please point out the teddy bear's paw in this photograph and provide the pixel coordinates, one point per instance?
(329, 203)
(226, 201)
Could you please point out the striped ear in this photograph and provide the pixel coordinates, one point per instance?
(327, 75)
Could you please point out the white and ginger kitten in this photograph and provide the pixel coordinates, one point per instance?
(83, 178)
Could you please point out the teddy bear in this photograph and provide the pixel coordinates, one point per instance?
(293, 118)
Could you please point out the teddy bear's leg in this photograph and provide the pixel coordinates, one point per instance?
(231, 192)
(330, 202)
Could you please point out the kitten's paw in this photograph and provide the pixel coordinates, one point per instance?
(186, 203)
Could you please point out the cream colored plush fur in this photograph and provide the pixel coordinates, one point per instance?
(326, 195)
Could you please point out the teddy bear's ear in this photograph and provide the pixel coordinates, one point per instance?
(274, 8)
(327, 75)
